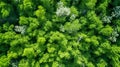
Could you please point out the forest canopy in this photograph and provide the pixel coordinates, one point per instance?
(59, 33)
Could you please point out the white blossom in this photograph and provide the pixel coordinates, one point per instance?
(113, 14)
(114, 36)
(117, 11)
(72, 17)
(62, 11)
(107, 19)
(20, 29)
(62, 28)
(115, 33)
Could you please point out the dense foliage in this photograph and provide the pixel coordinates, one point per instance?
(59, 33)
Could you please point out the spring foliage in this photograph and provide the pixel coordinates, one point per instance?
(59, 33)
